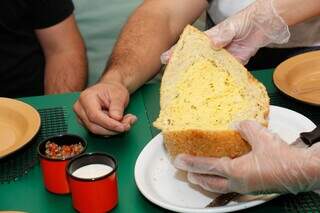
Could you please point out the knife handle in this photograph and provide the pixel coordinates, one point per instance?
(312, 137)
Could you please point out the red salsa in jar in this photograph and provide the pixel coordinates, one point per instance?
(55, 151)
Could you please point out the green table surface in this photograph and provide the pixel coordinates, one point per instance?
(28, 193)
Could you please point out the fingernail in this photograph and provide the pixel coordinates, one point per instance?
(164, 58)
(134, 119)
(213, 36)
(191, 178)
(215, 45)
(242, 60)
(179, 162)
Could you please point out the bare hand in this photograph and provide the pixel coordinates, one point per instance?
(100, 108)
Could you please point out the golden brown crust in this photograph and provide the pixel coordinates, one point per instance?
(205, 143)
(266, 104)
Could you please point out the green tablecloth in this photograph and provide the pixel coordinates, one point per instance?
(28, 193)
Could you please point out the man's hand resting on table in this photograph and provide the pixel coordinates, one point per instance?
(100, 108)
(272, 166)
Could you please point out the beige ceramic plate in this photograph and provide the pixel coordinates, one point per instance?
(19, 123)
(11, 212)
(299, 77)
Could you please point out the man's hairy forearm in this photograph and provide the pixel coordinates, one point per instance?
(150, 31)
(136, 55)
(65, 73)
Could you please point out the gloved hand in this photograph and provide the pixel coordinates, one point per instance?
(245, 32)
(272, 166)
(100, 108)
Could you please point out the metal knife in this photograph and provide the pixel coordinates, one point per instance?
(305, 139)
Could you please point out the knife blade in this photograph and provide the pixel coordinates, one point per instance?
(299, 143)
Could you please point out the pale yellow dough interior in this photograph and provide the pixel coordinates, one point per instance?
(207, 98)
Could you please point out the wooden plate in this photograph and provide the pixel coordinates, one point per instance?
(299, 77)
(11, 212)
(19, 123)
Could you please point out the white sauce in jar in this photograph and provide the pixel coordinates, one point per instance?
(92, 171)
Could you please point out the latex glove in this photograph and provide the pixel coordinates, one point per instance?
(272, 166)
(100, 108)
(245, 32)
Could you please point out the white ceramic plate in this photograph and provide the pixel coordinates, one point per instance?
(163, 185)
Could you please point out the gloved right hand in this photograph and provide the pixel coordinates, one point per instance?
(100, 108)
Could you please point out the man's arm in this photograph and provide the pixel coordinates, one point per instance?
(296, 11)
(66, 63)
(152, 29)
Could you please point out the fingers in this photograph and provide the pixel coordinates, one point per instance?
(129, 119)
(202, 165)
(100, 108)
(116, 107)
(166, 55)
(95, 115)
(221, 35)
(258, 136)
(224, 35)
(249, 131)
(241, 53)
(209, 182)
(94, 128)
(164, 58)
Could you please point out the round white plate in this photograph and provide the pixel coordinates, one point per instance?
(163, 185)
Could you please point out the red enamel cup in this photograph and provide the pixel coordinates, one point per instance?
(54, 170)
(93, 195)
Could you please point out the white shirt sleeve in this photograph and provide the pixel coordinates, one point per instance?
(221, 9)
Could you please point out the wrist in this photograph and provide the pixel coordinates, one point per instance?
(113, 76)
(268, 20)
